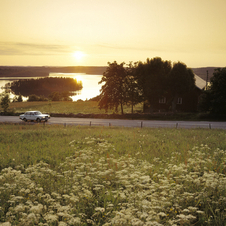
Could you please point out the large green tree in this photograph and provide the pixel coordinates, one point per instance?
(132, 91)
(151, 77)
(180, 81)
(5, 100)
(214, 98)
(113, 91)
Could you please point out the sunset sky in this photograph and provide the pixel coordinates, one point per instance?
(94, 32)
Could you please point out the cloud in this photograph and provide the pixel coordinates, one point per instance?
(151, 48)
(20, 48)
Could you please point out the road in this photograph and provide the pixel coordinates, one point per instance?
(124, 122)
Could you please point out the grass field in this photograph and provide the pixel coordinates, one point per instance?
(67, 107)
(56, 175)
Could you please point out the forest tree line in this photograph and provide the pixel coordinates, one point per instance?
(150, 81)
(144, 82)
(48, 87)
(141, 82)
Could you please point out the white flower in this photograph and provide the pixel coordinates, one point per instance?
(99, 209)
(161, 214)
(200, 212)
(5, 224)
(61, 223)
(51, 218)
(186, 211)
(74, 221)
(19, 208)
(37, 209)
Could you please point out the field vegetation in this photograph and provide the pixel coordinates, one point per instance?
(75, 175)
(67, 107)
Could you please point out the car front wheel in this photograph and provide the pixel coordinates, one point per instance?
(25, 119)
(38, 120)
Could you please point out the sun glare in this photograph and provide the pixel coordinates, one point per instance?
(79, 78)
(78, 55)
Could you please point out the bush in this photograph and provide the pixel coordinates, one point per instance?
(5, 100)
(34, 97)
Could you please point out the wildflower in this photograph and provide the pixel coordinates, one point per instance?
(19, 208)
(99, 209)
(51, 218)
(161, 214)
(74, 221)
(61, 223)
(72, 142)
(200, 212)
(192, 208)
(32, 218)
(37, 209)
(89, 221)
(186, 211)
(5, 224)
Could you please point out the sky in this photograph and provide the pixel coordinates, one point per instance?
(95, 32)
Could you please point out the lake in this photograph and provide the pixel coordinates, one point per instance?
(90, 89)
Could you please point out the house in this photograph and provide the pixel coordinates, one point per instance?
(189, 102)
(185, 103)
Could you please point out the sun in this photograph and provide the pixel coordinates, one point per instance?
(78, 55)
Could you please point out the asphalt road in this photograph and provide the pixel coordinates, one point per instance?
(124, 122)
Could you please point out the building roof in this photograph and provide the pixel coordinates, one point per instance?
(199, 82)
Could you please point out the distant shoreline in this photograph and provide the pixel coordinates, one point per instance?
(27, 71)
(11, 71)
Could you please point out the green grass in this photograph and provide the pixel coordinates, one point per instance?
(67, 107)
(76, 175)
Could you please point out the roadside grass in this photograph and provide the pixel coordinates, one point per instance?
(67, 107)
(77, 175)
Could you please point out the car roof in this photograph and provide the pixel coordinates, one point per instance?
(31, 111)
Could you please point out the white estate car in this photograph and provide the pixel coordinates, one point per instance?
(34, 116)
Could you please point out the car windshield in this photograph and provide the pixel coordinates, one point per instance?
(38, 113)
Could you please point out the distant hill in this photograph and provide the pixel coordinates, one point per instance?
(7, 71)
(11, 71)
(202, 72)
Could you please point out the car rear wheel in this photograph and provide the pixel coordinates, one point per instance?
(38, 120)
(25, 119)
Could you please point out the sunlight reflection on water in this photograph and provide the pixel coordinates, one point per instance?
(90, 84)
(90, 89)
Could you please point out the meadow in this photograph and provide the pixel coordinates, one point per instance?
(67, 107)
(77, 175)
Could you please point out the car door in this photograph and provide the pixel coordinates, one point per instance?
(27, 115)
(32, 116)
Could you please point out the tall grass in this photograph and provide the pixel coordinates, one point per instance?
(56, 175)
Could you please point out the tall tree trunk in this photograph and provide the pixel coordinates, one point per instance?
(121, 108)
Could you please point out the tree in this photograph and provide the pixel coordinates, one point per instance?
(33, 97)
(20, 99)
(113, 92)
(54, 96)
(44, 86)
(214, 98)
(65, 96)
(132, 92)
(151, 78)
(181, 80)
(5, 100)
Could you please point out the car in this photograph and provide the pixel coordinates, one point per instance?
(34, 116)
